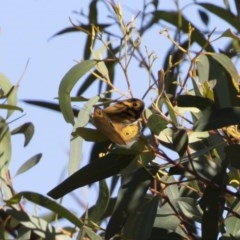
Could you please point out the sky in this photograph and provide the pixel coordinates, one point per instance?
(26, 28)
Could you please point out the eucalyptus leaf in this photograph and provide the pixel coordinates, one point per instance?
(67, 84)
(194, 101)
(228, 65)
(180, 141)
(96, 212)
(77, 142)
(156, 123)
(139, 224)
(29, 164)
(203, 68)
(232, 155)
(47, 203)
(225, 14)
(212, 118)
(51, 105)
(97, 170)
(89, 134)
(27, 129)
(6, 147)
(10, 91)
(130, 196)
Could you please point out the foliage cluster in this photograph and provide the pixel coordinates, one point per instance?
(193, 112)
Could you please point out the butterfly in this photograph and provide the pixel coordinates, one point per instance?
(126, 111)
(120, 122)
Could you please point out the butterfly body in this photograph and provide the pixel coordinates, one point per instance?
(120, 122)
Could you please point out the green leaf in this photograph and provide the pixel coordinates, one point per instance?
(86, 84)
(76, 143)
(29, 164)
(96, 213)
(156, 123)
(86, 231)
(5, 147)
(139, 224)
(39, 226)
(225, 93)
(225, 14)
(194, 101)
(24, 233)
(211, 213)
(166, 218)
(212, 119)
(89, 134)
(171, 110)
(49, 105)
(227, 64)
(47, 203)
(203, 68)
(67, 84)
(101, 66)
(85, 28)
(10, 92)
(232, 225)
(204, 16)
(97, 170)
(10, 107)
(165, 234)
(232, 154)
(130, 196)
(228, 33)
(27, 129)
(180, 141)
(190, 208)
(197, 136)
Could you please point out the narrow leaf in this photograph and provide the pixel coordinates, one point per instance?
(204, 16)
(97, 211)
(67, 84)
(29, 164)
(89, 134)
(212, 119)
(10, 92)
(156, 123)
(194, 101)
(10, 107)
(232, 154)
(97, 170)
(27, 129)
(49, 105)
(228, 66)
(139, 224)
(76, 143)
(47, 203)
(180, 141)
(203, 68)
(225, 14)
(35, 224)
(129, 198)
(230, 34)
(5, 150)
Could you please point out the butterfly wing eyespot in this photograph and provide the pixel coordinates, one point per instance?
(128, 132)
